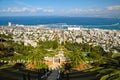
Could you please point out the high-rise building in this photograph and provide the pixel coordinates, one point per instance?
(9, 24)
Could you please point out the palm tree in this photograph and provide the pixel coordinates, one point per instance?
(77, 58)
(36, 57)
(112, 70)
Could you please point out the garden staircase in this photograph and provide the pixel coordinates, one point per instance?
(55, 66)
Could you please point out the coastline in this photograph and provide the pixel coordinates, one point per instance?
(66, 26)
(61, 21)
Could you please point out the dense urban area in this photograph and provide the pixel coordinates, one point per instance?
(34, 52)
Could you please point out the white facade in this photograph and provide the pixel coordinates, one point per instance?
(73, 28)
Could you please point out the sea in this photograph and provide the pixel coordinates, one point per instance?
(51, 21)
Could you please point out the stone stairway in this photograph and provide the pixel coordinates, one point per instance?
(55, 71)
(55, 66)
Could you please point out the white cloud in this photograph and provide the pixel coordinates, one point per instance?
(106, 11)
(113, 8)
(48, 10)
(94, 10)
(82, 11)
(25, 9)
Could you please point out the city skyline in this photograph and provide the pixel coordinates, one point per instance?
(76, 8)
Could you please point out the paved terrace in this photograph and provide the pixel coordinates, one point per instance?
(53, 75)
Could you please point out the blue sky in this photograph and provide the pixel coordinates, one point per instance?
(77, 8)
